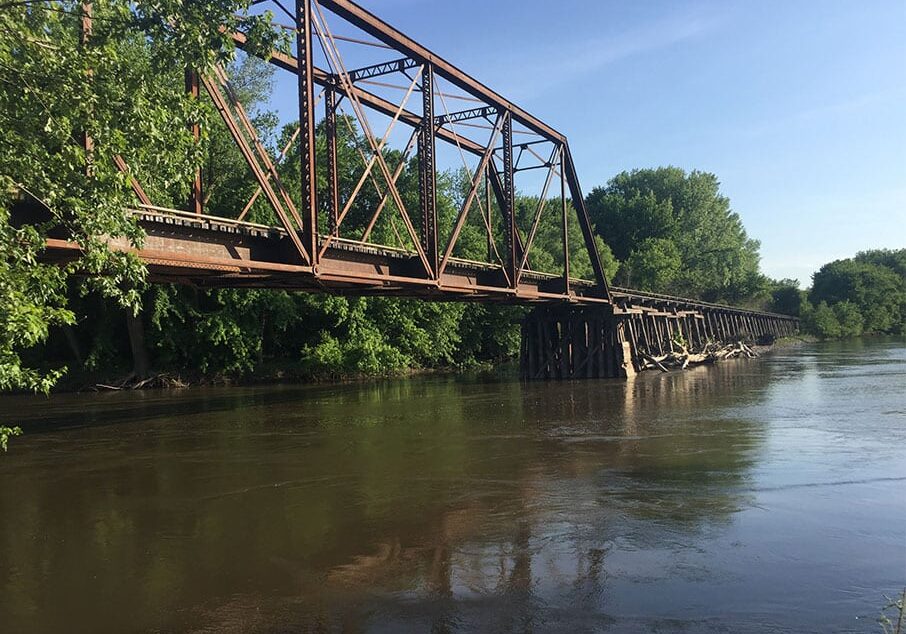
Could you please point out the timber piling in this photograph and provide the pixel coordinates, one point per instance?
(575, 342)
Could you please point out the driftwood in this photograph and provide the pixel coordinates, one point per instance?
(655, 362)
(133, 382)
(682, 358)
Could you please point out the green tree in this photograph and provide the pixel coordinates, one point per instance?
(823, 322)
(893, 259)
(654, 265)
(489, 332)
(786, 297)
(877, 292)
(849, 318)
(719, 260)
(56, 89)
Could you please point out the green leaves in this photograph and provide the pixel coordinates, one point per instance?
(32, 300)
(122, 89)
(6, 433)
(645, 215)
(866, 293)
(654, 265)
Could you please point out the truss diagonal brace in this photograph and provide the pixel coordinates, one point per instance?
(588, 233)
(384, 68)
(258, 171)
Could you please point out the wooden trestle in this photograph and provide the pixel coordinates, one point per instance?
(570, 342)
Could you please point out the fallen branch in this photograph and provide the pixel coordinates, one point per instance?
(133, 382)
(684, 358)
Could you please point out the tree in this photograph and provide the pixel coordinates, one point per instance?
(823, 322)
(718, 259)
(893, 259)
(68, 106)
(849, 318)
(786, 297)
(654, 265)
(876, 291)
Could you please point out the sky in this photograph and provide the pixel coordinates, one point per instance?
(799, 107)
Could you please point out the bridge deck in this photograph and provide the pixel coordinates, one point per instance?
(214, 252)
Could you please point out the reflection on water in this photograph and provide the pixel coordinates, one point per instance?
(750, 496)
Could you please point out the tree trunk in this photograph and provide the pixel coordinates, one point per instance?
(140, 364)
(73, 343)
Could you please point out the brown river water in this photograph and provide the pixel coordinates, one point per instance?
(761, 495)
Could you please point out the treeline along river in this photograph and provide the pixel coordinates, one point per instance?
(752, 496)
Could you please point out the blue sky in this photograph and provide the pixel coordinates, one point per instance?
(798, 107)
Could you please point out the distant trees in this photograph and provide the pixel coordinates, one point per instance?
(866, 293)
(655, 264)
(675, 232)
(786, 297)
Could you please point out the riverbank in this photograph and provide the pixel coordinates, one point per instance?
(266, 375)
(120, 379)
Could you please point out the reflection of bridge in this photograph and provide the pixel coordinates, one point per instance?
(581, 326)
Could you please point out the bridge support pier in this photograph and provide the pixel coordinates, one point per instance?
(571, 343)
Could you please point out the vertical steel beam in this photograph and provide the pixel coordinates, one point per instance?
(427, 170)
(333, 180)
(196, 199)
(487, 202)
(564, 219)
(309, 182)
(509, 199)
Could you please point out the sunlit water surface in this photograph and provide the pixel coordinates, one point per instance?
(755, 496)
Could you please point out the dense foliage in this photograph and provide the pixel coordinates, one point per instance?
(70, 104)
(675, 232)
(864, 294)
(269, 334)
(58, 88)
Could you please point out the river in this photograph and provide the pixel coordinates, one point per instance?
(754, 496)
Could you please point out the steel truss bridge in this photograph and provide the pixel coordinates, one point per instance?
(581, 327)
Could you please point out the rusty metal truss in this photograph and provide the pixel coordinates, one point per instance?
(311, 243)
(312, 234)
